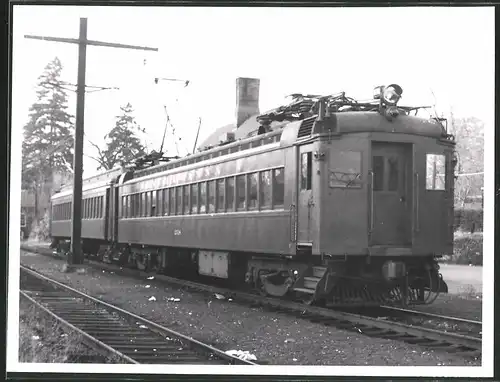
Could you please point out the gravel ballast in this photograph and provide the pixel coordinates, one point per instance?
(272, 337)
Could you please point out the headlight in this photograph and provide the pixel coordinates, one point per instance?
(392, 94)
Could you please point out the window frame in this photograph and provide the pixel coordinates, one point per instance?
(237, 193)
(230, 179)
(435, 173)
(220, 184)
(261, 196)
(275, 205)
(306, 182)
(194, 191)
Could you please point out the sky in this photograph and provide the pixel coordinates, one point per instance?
(441, 56)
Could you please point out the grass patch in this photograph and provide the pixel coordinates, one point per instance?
(43, 339)
(470, 293)
(467, 249)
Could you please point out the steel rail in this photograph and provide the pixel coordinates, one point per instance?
(153, 327)
(451, 342)
(432, 315)
(87, 339)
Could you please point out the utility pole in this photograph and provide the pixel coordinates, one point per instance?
(76, 256)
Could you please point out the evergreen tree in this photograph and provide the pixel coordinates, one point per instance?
(49, 134)
(122, 143)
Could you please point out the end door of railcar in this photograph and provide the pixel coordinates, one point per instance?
(391, 194)
(305, 199)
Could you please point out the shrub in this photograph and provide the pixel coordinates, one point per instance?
(468, 219)
(467, 249)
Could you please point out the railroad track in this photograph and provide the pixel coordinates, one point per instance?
(451, 324)
(114, 332)
(375, 325)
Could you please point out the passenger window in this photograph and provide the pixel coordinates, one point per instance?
(436, 172)
(159, 202)
(143, 203)
(123, 207)
(153, 203)
(211, 196)
(230, 194)
(170, 196)
(240, 192)
(194, 198)
(186, 200)
(147, 204)
(203, 197)
(220, 195)
(378, 173)
(133, 205)
(305, 171)
(252, 190)
(345, 169)
(178, 200)
(265, 189)
(278, 187)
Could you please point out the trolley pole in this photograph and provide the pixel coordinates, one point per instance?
(76, 255)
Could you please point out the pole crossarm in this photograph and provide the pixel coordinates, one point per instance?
(90, 42)
(76, 254)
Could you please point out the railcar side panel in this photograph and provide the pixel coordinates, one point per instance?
(93, 212)
(261, 232)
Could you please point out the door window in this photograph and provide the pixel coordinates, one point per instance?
(306, 171)
(386, 173)
(393, 173)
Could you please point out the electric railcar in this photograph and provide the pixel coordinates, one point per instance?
(343, 203)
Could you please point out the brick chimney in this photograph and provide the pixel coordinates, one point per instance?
(247, 99)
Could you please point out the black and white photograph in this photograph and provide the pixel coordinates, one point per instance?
(296, 191)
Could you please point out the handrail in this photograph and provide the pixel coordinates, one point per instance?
(372, 176)
(417, 203)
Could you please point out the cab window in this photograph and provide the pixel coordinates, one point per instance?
(435, 178)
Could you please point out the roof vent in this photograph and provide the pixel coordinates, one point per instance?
(306, 127)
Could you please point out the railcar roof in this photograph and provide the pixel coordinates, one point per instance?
(340, 123)
(372, 121)
(85, 187)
